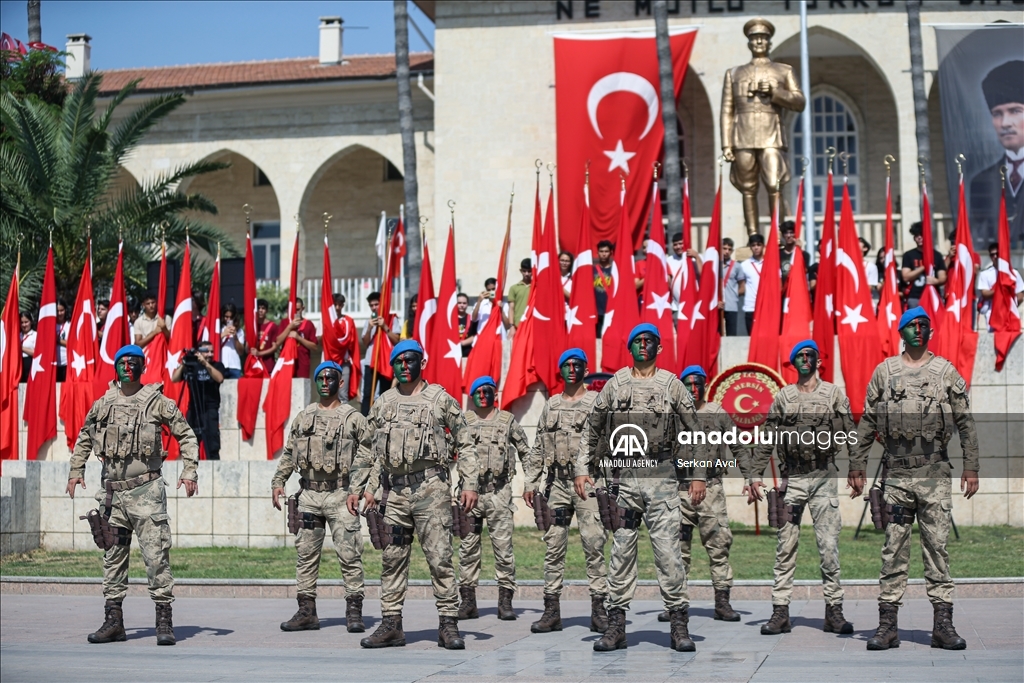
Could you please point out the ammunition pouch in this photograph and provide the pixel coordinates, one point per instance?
(611, 513)
(562, 516)
(462, 525)
(414, 479)
(104, 534)
(685, 532)
(879, 514)
(776, 508)
(302, 520)
(631, 519)
(900, 514)
(541, 512)
(375, 525)
(396, 534)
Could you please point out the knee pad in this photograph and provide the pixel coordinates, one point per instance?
(562, 516)
(400, 535)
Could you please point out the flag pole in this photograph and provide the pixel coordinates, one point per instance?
(376, 335)
(718, 247)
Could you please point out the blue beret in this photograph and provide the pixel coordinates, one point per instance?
(640, 329)
(694, 370)
(484, 381)
(913, 314)
(571, 353)
(323, 366)
(403, 346)
(800, 346)
(129, 350)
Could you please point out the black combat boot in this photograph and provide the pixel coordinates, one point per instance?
(779, 623)
(354, 614)
(448, 635)
(505, 612)
(551, 620)
(614, 637)
(305, 618)
(724, 610)
(888, 633)
(681, 641)
(598, 614)
(835, 622)
(467, 605)
(943, 633)
(164, 624)
(664, 617)
(388, 634)
(112, 630)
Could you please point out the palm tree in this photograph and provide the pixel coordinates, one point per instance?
(924, 146)
(59, 164)
(405, 125)
(35, 28)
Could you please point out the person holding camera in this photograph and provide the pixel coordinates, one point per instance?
(204, 376)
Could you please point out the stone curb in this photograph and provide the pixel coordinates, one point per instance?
(420, 589)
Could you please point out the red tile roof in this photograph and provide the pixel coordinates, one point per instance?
(238, 74)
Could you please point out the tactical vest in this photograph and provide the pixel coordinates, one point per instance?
(804, 418)
(323, 446)
(123, 430)
(409, 429)
(562, 429)
(914, 416)
(490, 438)
(646, 404)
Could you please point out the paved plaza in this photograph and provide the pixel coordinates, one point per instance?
(42, 638)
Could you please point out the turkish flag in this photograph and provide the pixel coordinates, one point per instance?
(1005, 317)
(608, 110)
(549, 305)
(581, 318)
(684, 285)
(889, 306)
(522, 371)
(764, 337)
(485, 357)
(76, 396)
(115, 329)
(623, 313)
(705, 329)
(211, 323)
(959, 339)
(658, 307)
(859, 348)
(825, 291)
(10, 372)
(278, 402)
(382, 346)
(426, 302)
(339, 336)
(156, 350)
(41, 393)
(930, 301)
(250, 386)
(180, 342)
(796, 306)
(445, 365)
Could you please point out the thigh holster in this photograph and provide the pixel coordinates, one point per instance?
(685, 532)
(794, 513)
(631, 519)
(900, 514)
(302, 520)
(542, 511)
(398, 535)
(461, 524)
(562, 516)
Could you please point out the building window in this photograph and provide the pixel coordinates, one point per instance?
(266, 249)
(391, 172)
(834, 126)
(260, 178)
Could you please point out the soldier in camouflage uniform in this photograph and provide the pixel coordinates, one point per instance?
(494, 434)
(415, 429)
(914, 403)
(551, 471)
(324, 440)
(124, 429)
(710, 517)
(807, 416)
(646, 487)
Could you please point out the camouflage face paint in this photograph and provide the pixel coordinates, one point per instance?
(917, 332)
(129, 369)
(327, 383)
(696, 385)
(806, 362)
(407, 367)
(644, 347)
(573, 370)
(484, 397)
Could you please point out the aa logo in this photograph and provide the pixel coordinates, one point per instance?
(628, 441)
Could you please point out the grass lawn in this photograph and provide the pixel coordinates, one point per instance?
(981, 551)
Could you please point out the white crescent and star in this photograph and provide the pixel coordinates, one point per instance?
(115, 313)
(843, 259)
(659, 304)
(853, 317)
(622, 81)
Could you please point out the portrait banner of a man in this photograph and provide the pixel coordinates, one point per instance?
(981, 87)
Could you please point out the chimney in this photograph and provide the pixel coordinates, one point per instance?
(330, 40)
(79, 55)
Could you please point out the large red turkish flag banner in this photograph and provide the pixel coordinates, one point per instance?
(608, 111)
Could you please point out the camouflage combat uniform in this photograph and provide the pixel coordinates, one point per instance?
(914, 411)
(552, 472)
(413, 440)
(660, 406)
(125, 431)
(808, 475)
(322, 445)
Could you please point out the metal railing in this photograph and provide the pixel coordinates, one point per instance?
(355, 290)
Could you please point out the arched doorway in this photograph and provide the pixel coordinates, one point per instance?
(834, 125)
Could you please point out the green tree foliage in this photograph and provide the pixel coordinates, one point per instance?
(37, 74)
(59, 166)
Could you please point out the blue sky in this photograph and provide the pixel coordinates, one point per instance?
(134, 34)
